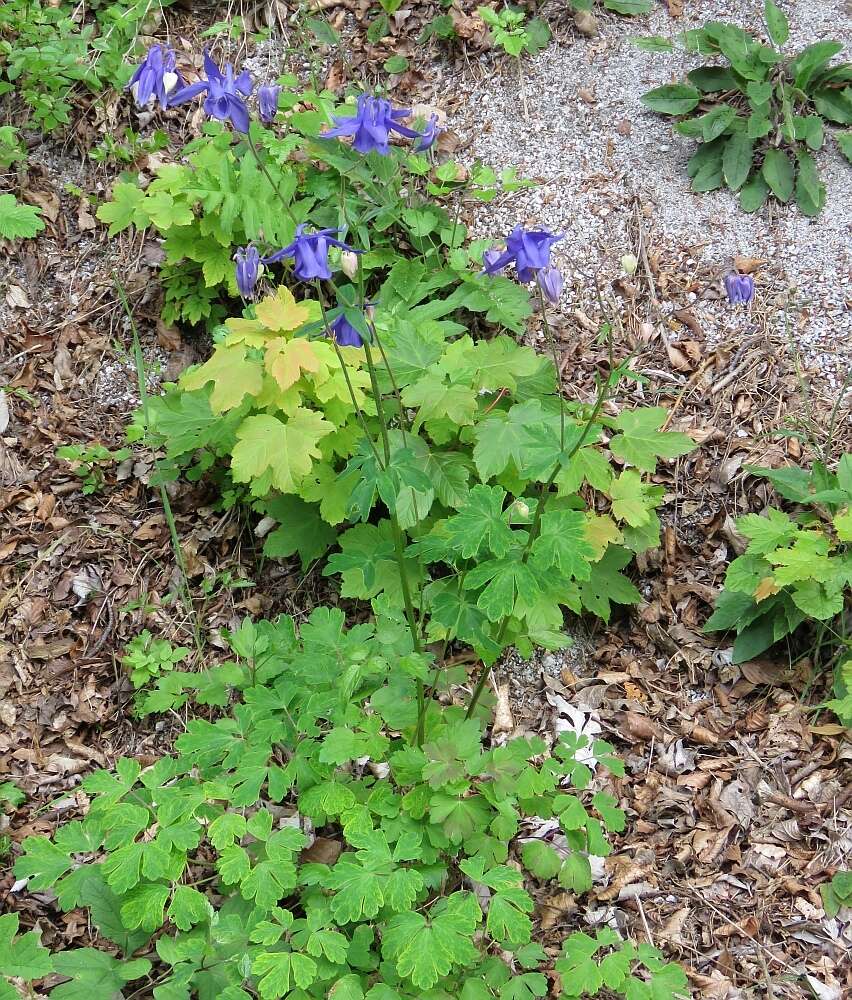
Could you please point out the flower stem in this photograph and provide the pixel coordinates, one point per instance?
(605, 388)
(399, 548)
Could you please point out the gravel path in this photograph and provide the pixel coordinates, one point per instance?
(597, 154)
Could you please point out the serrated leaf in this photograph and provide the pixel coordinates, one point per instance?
(17, 220)
(562, 544)
(279, 972)
(606, 584)
(640, 441)
(425, 950)
(276, 453)
(481, 525)
(767, 531)
(281, 313)
(124, 210)
(233, 374)
(22, 955)
(287, 360)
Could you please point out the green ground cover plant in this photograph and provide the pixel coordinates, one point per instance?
(202, 863)
(760, 115)
(795, 577)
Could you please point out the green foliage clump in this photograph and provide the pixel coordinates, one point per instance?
(476, 437)
(837, 893)
(306, 845)
(513, 33)
(797, 569)
(17, 220)
(760, 118)
(47, 52)
(89, 462)
(147, 658)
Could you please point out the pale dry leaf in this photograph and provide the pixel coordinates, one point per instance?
(503, 721)
(17, 298)
(4, 411)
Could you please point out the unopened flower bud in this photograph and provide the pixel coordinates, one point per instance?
(349, 264)
(522, 508)
(629, 263)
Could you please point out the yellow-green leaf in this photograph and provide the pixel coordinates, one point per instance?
(287, 359)
(233, 376)
(280, 312)
(270, 452)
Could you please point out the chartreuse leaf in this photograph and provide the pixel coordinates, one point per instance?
(280, 312)
(234, 376)
(270, 452)
(640, 441)
(287, 360)
(425, 949)
(767, 531)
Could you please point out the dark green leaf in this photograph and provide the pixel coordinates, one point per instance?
(778, 173)
(736, 160)
(811, 59)
(754, 193)
(672, 99)
(712, 79)
(810, 191)
(776, 23)
(835, 105)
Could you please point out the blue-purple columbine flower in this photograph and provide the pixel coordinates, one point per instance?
(740, 288)
(155, 77)
(371, 125)
(310, 252)
(267, 100)
(248, 269)
(529, 250)
(226, 94)
(345, 334)
(429, 135)
(550, 281)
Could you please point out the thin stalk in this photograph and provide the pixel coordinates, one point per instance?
(358, 411)
(535, 528)
(139, 361)
(551, 343)
(399, 549)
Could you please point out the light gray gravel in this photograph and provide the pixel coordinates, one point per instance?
(592, 147)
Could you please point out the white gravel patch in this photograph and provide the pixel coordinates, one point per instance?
(593, 148)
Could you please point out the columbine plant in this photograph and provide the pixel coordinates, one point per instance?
(334, 829)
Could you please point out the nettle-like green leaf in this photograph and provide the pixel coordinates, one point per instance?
(22, 955)
(425, 949)
(481, 525)
(17, 220)
(641, 442)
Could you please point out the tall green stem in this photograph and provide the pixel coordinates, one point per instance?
(604, 390)
(399, 547)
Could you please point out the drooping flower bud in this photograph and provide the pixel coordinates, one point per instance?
(267, 101)
(349, 264)
(550, 281)
(740, 288)
(629, 263)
